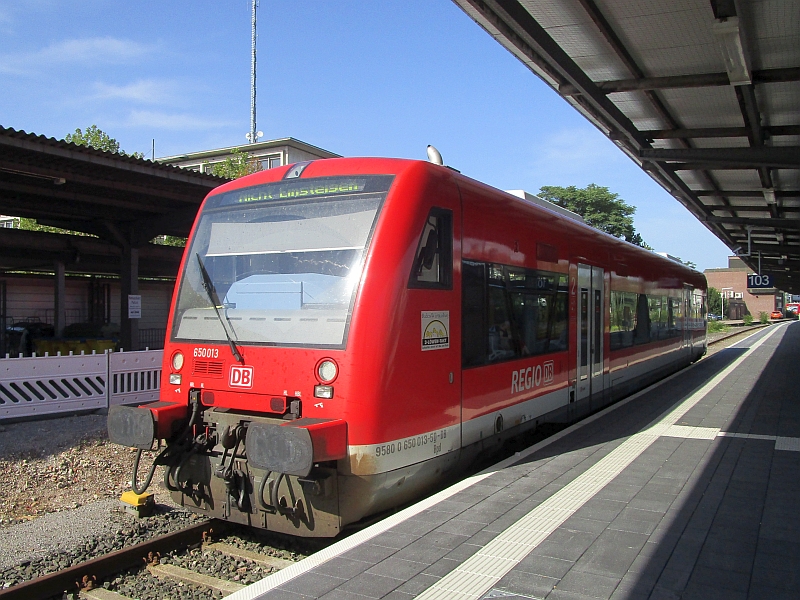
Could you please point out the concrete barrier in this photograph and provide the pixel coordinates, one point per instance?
(47, 385)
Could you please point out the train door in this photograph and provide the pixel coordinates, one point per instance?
(590, 331)
(688, 313)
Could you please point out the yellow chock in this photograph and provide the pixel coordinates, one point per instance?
(141, 505)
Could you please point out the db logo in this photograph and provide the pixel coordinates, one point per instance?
(548, 368)
(241, 377)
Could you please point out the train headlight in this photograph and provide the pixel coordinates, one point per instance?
(327, 370)
(177, 361)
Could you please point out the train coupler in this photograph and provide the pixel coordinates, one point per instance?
(238, 490)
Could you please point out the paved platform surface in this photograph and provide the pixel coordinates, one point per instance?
(690, 489)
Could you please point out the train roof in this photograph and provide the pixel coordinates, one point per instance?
(329, 167)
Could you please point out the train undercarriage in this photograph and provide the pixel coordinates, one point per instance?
(265, 472)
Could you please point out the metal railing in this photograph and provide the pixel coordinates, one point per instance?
(152, 338)
(47, 385)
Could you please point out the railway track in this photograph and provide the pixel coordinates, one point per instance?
(187, 563)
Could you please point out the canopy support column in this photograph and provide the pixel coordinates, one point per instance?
(129, 285)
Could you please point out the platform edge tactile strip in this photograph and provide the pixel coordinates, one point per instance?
(791, 444)
(692, 433)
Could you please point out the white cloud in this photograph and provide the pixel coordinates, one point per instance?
(175, 122)
(80, 51)
(148, 91)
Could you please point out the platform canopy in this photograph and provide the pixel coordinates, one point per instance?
(121, 199)
(703, 95)
(124, 201)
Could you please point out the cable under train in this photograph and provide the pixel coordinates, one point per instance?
(345, 333)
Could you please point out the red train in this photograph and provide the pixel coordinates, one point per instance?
(347, 332)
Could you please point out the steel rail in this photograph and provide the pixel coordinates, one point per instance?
(68, 579)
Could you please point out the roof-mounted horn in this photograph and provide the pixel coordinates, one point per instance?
(434, 156)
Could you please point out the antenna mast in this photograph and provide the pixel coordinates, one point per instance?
(253, 135)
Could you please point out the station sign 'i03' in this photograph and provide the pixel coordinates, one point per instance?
(759, 283)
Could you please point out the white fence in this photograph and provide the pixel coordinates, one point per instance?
(46, 385)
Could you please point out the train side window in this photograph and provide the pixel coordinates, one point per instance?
(433, 262)
(473, 309)
(617, 321)
(502, 341)
(642, 324)
(509, 313)
(676, 326)
(654, 305)
(559, 326)
(624, 319)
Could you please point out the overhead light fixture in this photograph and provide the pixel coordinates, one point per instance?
(734, 50)
(769, 196)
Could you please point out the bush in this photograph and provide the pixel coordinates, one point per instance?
(716, 327)
(748, 319)
(763, 318)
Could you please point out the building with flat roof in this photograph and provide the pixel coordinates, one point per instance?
(732, 284)
(270, 154)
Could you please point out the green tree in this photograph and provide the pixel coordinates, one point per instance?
(238, 164)
(600, 208)
(93, 137)
(33, 225)
(714, 301)
(96, 138)
(169, 240)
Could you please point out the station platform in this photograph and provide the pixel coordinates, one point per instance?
(688, 489)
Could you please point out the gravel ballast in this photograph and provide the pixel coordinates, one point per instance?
(61, 464)
(61, 480)
(72, 537)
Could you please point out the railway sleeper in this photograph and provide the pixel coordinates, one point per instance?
(186, 576)
(263, 560)
(102, 594)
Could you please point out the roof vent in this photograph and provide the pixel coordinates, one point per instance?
(434, 156)
(546, 204)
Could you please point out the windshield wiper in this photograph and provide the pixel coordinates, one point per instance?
(208, 285)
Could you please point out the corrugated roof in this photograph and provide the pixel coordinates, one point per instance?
(12, 138)
(652, 76)
(121, 199)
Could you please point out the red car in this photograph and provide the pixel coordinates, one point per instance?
(776, 314)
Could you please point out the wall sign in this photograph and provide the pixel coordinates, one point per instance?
(134, 306)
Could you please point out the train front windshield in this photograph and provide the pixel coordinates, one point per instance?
(280, 261)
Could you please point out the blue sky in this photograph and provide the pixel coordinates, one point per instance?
(357, 77)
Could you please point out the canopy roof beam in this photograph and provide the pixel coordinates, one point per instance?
(685, 81)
